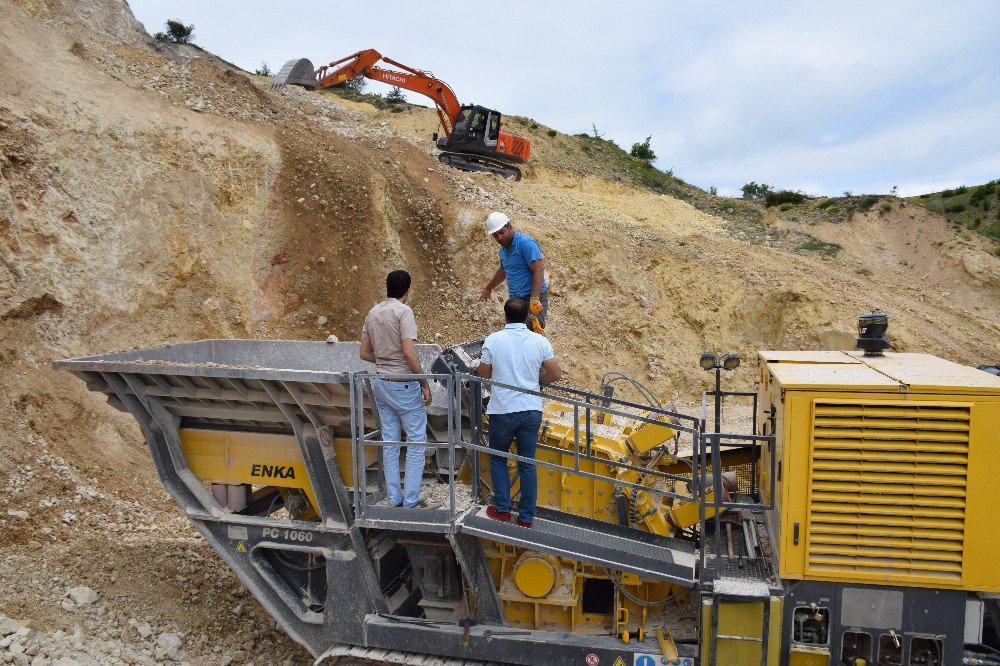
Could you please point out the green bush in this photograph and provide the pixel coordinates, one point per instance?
(885, 208)
(826, 203)
(783, 197)
(925, 196)
(867, 202)
(643, 152)
(552, 132)
(263, 70)
(955, 208)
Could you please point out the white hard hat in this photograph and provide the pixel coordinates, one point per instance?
(495, 222)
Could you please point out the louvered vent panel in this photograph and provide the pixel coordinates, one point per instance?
(888, 490)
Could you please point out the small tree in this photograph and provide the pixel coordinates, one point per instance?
(753, 190)
(263, 70)
(643, 152)
(395, 96)
(597, 135)
(177, 32)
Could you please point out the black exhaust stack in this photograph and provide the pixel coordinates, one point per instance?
(872, 338)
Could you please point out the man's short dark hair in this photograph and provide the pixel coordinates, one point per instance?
(397, 283)
(516, 310)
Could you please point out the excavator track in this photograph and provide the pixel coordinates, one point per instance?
(466, 162)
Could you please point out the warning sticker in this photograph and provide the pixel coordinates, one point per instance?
(238, 532)
(241, 547)
(619, 662)
(592, 659)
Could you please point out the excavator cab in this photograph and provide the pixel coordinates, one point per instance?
(476, 131)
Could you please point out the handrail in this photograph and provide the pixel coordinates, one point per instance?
(464, 399)
(711, 450)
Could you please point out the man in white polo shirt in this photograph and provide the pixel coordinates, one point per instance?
(387, 340)
(518, 357)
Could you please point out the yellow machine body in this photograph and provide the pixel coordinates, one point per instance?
(886, 468)
(232, 457)
(537, 591)
(740, 629)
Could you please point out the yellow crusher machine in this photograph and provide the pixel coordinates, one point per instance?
(847, 521)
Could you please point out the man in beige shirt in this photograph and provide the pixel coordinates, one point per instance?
(387, 340)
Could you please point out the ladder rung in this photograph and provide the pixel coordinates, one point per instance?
(749, 639)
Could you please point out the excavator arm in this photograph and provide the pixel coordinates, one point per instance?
(363, 63)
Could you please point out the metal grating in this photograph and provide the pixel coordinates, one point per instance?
(888, 490)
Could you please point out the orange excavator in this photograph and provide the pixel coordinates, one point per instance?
(473, 139)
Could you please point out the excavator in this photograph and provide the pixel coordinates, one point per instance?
(473, 139)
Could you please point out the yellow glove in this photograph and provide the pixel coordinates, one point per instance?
(535, 306)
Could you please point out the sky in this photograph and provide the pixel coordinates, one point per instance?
(821, 97)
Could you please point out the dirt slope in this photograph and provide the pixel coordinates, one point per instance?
(149, 196)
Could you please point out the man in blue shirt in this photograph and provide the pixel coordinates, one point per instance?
(517, 357)
(522, 265)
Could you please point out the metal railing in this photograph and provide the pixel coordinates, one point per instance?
(360, 387)
(711, 458)
(588, 403)
(464, 395)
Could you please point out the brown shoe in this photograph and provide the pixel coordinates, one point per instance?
(521, 523)
(503, 516)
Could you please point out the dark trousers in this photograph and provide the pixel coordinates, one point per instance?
(520, 427)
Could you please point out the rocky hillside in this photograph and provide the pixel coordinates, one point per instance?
(976, 208)
(150, 194)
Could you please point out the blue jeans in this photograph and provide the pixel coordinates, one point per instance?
(521, 427)
(401, 407)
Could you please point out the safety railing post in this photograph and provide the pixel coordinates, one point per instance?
(354, 443)
(717, 494)
(702, 494)
(755, 457)
(576, 437)
(454, 411)
(475, 434)
(357, 437)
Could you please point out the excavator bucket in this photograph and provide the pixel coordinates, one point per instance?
(297, 73)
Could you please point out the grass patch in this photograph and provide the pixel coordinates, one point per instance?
(814, 244)
(867, 202)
